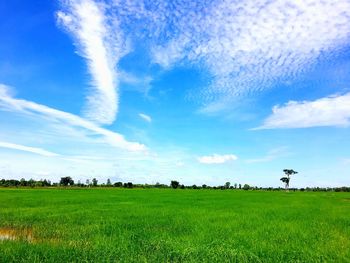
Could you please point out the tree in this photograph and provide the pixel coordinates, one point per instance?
(94, 182)
(23, 182)
(31, 182)
(240, 186)
(174, 184)
(46, 182)
(227, 185)
(235, 185)
(286, 179)
(246, 187)
(88, 182)
(128, 185)
(108, 182)
(65, 181)
(118, 184)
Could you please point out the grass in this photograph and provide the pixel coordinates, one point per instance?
(164, 225)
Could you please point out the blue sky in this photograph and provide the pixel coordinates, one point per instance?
(197, 91)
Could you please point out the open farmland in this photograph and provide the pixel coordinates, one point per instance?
(164, 225)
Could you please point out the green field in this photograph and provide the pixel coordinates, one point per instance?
(165, 225)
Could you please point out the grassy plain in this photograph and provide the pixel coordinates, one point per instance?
(165, 225)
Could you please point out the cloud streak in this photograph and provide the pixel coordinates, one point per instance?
(145, 117)
(328, 111)
(102, 45)
(34, 150)
(246, 47)
(7, 102)
(217, 159)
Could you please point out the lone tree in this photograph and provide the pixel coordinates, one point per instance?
(286, 179)
(174, 184)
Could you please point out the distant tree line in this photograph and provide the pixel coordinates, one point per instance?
(69, 182)
(23, 182)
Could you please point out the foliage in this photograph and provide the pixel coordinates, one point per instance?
(246, 187)
(174, 184)
(94, 182)
(118, 184)
(128, 185)
(286, 179)
(65, 181)
(108, 182)
(47, 183)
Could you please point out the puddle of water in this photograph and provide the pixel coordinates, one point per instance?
(12, 234)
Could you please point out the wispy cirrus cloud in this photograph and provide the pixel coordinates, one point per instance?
(246, 46)
(64, 119)
(136, 83)
(329, 111)
(217, 158)
(145, 117)
(101, 43)
(29, 149)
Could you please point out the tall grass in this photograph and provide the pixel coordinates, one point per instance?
(165, 225)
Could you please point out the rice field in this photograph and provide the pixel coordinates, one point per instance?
(166, 225)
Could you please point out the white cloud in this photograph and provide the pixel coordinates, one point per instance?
(65, 119)
(217, 159)
(27, 149)
(136, 83)
(101, 43)
(329, 111)
(247, 45)
(145, 117)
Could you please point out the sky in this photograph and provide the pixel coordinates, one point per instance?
(202, 92)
